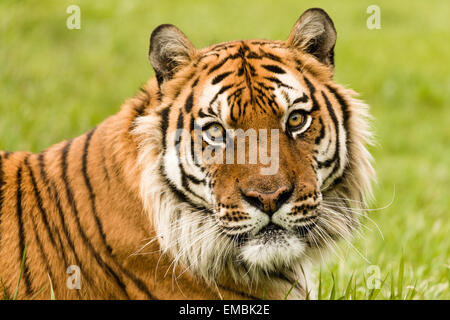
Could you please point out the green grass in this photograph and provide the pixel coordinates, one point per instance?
(6, 295)
(57, 83)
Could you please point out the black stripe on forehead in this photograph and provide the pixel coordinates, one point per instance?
(235, 101)
(269, 55)
(260, 92)
(278, 82)
(273, 68)
(222, 90)
(220, 77)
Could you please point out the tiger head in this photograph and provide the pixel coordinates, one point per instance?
(254, 161)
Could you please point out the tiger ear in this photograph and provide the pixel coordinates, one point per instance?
(169, 50)
(315, 34)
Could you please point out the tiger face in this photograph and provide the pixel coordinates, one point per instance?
(260, 153)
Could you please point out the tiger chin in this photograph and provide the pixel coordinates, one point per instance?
(174, 197)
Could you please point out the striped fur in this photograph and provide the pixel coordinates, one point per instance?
(129, 205)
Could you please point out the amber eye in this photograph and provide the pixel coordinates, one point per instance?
(296, 120)
(214, 132)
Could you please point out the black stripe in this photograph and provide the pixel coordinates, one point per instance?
(98, 223)
(220, 77)
(302, 99)
(54, 195)
(181, 196)
(105, 167)
(87, 181)
(73, 206)
(164, 126)
(263, 96)
(139, 111)
(39, 202)
(189, 102)
(217, 66)
(203, 114)
(194, 84)
(260, 103)
(35, 228)
(278, 82)
(253, 55)
(222, 90)
(184, 175)
(344, 107)
(193, 131)
(322, 132)
(273, 68)
(178, 136)
(223, 46)
(22, 239)
(270, 56)
(180, 121)
(336, 156)
(312, 91)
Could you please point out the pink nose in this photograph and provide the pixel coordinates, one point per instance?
(269, 202)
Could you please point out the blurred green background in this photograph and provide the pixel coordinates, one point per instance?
(56, 83)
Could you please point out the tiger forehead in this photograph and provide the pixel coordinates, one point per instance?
(242, 80)
(216, 56)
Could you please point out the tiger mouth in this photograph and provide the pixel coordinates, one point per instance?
(272, 232)
(270, 229)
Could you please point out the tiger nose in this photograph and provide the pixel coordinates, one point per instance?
(268, 202)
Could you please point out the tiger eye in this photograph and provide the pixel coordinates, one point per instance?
(296, 119)
(215, 131)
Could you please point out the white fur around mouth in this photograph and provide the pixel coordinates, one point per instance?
(273, 250)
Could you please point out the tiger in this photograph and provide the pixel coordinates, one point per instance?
(153, 203)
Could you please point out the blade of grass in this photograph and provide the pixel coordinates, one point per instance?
(392, 297)
(365, 281)
(308, 295)
(333, 289)
(308, 292)
(348, 289)
(290, 289)
(52, 293)
(401, 270)
(374, 292)
(319, 293)
(355, 292)
(5, 292)
(22, 265)
(412, 292)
